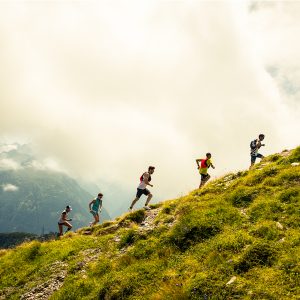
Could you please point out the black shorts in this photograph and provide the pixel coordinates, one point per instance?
(254, 156)
(141, 192)
(204, 177)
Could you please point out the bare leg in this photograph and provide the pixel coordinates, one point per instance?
(203, 181)
(134, 202)
(68, 225)
(60, 230)
(96, 217)
(148, 199)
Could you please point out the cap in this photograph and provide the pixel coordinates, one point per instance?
(69, 207)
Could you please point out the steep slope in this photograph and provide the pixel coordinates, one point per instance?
(237, 238)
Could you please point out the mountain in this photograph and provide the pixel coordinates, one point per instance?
(32, 195)
(236, 238)
(10, 240)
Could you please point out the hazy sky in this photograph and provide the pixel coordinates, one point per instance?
(107, 88)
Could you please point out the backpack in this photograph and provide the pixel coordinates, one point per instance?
(141, 178)
(204, 163)
(253, 145)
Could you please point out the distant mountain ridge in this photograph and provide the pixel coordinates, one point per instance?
(32, 195)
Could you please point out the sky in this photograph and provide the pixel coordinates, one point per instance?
(107, 88)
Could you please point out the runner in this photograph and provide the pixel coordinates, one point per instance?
(254, 146)
(142, 188)
(63, 221)
(205, 163)
(94, 210)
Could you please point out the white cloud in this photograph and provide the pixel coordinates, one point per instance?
(9, 187)
(108, 88)
(9, 164)
(7, 148)
(47, 164)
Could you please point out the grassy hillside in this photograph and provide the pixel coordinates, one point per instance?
(237, 238)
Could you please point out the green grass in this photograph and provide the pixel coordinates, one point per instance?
(243, 226)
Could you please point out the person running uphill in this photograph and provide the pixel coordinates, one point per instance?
(254, 146)
(63, 221)
(142, 188)
(203, 167)
(95, 205)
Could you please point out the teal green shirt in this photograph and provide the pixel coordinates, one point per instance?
(97, 204)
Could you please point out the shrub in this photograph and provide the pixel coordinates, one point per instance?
(273, 158)
(270, 171)
(169, 208)
(107, 224)
(101, 267)
(75, 289)
(232, 241)
(242, 196)
(292, 218)
(290, 176)
(209, 285)
(143, 248)
(32, 250)
(137, 216)
(290, 263)
(265, 208)
(193, 228)
(127, 238)
(257, 254)
(266, 230)
(271, 182)
(116, 290)
(295, 156)
(290, 195)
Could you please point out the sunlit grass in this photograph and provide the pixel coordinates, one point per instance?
(236, 238)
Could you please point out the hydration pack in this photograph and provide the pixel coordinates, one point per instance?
(204, 163)
(142, 178)
(253, 145)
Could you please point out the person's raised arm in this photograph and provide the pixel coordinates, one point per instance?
(197, 162)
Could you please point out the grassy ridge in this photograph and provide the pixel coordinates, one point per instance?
(237, 238)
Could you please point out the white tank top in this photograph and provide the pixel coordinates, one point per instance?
(142, 184)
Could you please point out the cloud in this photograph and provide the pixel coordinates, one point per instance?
(9, 187)
(107, 88)
(9, 164)
(47, 164)
(275, 27)
(7, 148)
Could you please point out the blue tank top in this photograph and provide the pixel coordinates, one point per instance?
(96, 204)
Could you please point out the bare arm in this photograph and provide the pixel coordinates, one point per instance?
(211, 165)
(146, 176)
(197, 162)
(258, 144)
(90, 204)
(64, 216)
